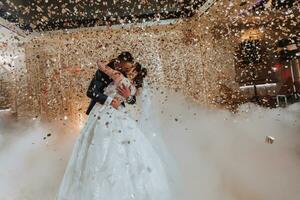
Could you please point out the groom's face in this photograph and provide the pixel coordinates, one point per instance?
(124, 67)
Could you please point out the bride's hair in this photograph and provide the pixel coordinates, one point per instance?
(141, 74)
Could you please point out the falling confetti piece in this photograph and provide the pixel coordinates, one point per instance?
(270, 139)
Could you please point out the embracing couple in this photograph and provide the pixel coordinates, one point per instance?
(112, 159)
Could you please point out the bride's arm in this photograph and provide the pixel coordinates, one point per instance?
(113, 74)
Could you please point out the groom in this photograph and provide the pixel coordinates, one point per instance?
(100, 81)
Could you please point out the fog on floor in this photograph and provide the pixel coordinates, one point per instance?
(221, 155)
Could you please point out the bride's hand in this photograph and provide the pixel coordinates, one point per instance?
(102, 64)
(115, 103)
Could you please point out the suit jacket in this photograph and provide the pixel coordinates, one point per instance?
(97, 86)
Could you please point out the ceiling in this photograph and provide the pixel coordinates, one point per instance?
(47, 15)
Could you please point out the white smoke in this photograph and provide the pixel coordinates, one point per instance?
(32, 163)
(224, 155)
(221, 155)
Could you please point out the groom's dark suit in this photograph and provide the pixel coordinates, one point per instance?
(96, 88)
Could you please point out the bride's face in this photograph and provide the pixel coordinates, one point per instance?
(132, 73)
(127, 68)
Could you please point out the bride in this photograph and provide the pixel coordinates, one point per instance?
(112, 158)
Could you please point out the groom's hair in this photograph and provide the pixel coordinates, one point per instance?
(125, 56)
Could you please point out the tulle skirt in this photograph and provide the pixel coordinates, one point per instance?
(113, 160)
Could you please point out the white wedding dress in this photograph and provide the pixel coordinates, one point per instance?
(114, 160)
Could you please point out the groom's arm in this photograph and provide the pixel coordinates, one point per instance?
(128, 94)
(97, 86)
(96, 91)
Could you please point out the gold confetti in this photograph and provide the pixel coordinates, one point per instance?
(195, 56)
(270, 139)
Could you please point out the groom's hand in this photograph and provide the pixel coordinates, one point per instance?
(124, 91)
(115, 103)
